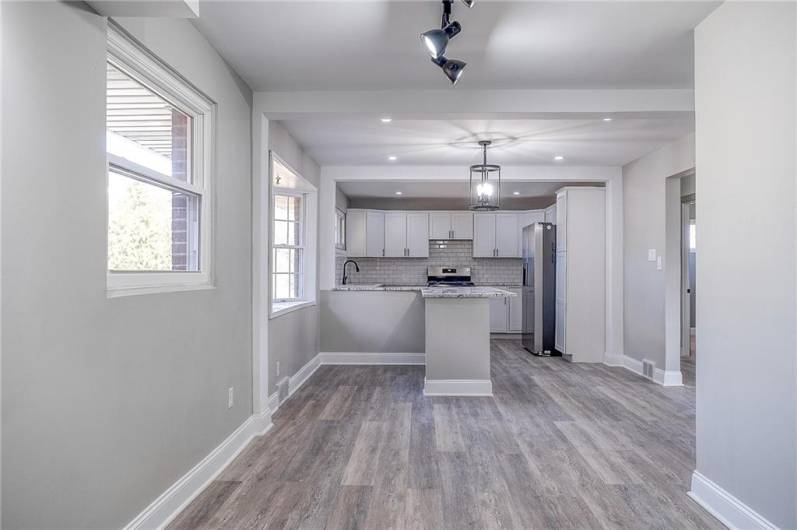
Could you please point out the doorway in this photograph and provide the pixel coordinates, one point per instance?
(688, 283)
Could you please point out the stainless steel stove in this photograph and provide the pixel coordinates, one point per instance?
(448, 277)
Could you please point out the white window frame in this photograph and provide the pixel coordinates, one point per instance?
(132, 59)
(300, 245)
(308, 238)
(340, 229)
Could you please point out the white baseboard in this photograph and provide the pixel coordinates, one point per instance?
(662, 377)
(731, 512)
(304, 373)
(172, 501)
(668, 377)
(457, 387)
(372, 358)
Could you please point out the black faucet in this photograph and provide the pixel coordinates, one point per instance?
(356, 267)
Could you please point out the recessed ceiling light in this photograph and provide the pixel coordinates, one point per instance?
(387, 120)
(558, 158)
(607, 119)
(515, 193)
(399, 193)
(392, 158)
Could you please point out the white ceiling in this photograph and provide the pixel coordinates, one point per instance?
(374, 44)
(446, 190)
(582, 142)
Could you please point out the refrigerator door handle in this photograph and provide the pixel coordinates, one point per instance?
(524, 274)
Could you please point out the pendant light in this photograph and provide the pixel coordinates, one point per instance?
(485, 183)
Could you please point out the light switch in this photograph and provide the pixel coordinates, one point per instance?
(659, 265)
(651, 254)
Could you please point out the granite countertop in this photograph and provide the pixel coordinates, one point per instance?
(465, 292)
(432, 292)
(378, 287)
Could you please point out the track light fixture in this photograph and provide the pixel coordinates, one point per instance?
(451, 67)
(436, 41)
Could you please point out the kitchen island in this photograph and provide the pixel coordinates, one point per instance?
(456, 336)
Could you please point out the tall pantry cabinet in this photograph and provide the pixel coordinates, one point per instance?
(581, 273)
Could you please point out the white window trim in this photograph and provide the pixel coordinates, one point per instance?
(131, 58)
(343, 232)
(301, 246)
(309, 239)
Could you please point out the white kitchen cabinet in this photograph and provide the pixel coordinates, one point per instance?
(499, 315)
(529, 218)
(506, 314)
(461, 225)
(496, 235)
(395, 234)
(355, 233)
(561, 219)
(406, 234)
(450, 225)
(507, 235)
(581, 273)
(516, 310)
(374, 234)
(439, 225)
(484, 235)
(550, 214)
(417, 235)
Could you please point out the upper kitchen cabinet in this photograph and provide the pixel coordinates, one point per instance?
(355, 233)
(376, 234)
(581, 273)
(550, 214)
(450, 225)
(417, 235)
(496, 235)
(365, 233)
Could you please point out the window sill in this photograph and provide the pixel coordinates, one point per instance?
(117, 289)
(282, 308)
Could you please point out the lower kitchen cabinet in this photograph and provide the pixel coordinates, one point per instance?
(506, 314)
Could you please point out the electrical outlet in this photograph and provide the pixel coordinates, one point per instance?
(651, 254)
(278, 368)
(230, 397)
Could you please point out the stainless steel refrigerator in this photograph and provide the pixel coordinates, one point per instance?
(539, 288)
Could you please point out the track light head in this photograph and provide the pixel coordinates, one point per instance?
(436, 40)
(468, 3)
(451, 67)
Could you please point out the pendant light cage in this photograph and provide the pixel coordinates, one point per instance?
(485, 183)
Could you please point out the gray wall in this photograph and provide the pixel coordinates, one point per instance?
(293, 337)
(106, 402)
(372, 322)
(644, 227)
(746, 374)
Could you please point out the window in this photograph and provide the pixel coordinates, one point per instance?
(692, 236)
(340, 229)
(288, 250)
(158, 144)
(293, 239)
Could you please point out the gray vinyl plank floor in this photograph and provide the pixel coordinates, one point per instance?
(558, 446)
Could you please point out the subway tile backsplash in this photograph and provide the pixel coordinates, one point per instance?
(412, 271)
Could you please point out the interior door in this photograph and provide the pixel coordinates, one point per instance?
(439, 225)
(418, 235)
(462, 225)
(484, 235)
(375, 234)
(507, 235)
(395, 234)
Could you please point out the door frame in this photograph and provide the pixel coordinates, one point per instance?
(686, 308)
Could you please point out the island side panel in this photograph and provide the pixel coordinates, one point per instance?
(458, 346)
